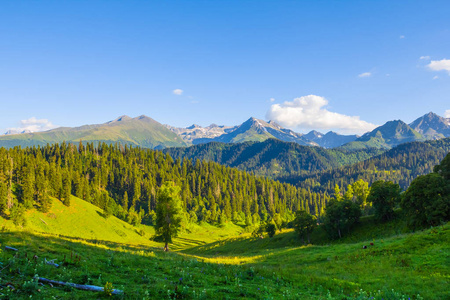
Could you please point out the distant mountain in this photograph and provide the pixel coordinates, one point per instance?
(389, 135)
(13, 131)
(272, 157)
(195, 134)
(141, 131)
(330, 139)
(258, 130)
(145, 132)
(432, 126)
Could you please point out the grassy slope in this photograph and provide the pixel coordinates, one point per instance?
(211, 266)
(85, 221)
(411, 264)
(82, 220)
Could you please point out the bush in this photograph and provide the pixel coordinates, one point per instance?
(270, 229)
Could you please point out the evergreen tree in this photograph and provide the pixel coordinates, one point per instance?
(3, 197)
(108, 210)
(125, 201)
(66, 189)
(18, 215)
(28, 189)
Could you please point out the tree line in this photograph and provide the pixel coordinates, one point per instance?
(426, 202)
(124, 180)
(400, 165)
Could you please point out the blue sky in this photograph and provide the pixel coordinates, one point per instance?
(343, 65)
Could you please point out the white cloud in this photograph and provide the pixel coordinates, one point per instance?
(272, 99)
(309, 112)
(402, 37)
(447, 113)
(177, 92)
(426, 57)
(435, 77)
(366, 74)
(32, 125)
(440, 65)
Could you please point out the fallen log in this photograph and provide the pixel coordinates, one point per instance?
(92, 288)
(51, 262)
(11, 248)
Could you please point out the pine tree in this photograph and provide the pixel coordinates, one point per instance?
(18, 215)
(28, 189)
(66, 189)
(125, 201)
(3, 197)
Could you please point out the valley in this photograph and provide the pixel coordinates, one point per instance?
(106, 220)
(266, 150)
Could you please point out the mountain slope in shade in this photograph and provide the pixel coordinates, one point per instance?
(330, 139)
(272, 157)
(401, 164)
(432, 126)
(389, 135)
(141, 131)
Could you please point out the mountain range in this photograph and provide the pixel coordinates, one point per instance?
(393, 133)
(145, 132)
(258, 130)
(141, 131)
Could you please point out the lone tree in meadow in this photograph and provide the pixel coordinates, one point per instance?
(168, 213)
(304, 224)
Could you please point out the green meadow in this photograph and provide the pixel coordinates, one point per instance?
(210, 262)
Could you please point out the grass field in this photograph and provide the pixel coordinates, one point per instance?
(218, 263)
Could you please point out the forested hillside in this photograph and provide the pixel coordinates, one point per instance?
(273, 158)
(124, 181)
(401, 165)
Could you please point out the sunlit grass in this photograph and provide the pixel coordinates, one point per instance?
(210, 262)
